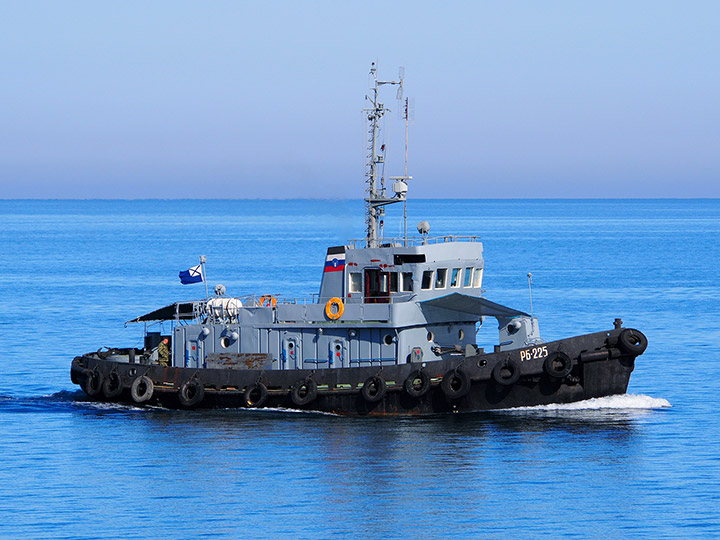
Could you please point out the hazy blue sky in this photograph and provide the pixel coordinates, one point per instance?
(262, 99)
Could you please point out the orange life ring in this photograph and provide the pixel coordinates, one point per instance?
(267, 300)
(335, 301)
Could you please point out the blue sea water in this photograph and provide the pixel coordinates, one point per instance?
(644, 465)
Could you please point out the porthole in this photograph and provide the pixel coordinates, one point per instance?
(225, 342)
(388, 339)
(461, 334)
(430, 336)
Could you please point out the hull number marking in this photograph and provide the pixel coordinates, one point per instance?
(534, 353)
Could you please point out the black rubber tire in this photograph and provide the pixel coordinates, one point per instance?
(191, 392)
(632, 342)
(303, 392)
(255, 395)
(558, 365)
(112, 386)
(410, 383)
(455, 384)
(506, 372)
(93, 383)
(374, 389)
(142, 389)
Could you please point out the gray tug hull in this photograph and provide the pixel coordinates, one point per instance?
(573, 369)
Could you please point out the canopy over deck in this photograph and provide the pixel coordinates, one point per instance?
(173, 312)
(474, 305)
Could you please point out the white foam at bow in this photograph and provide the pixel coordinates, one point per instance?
(621, 402)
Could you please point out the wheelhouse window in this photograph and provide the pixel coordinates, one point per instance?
(467, 277)
(393, 282)
(477, 282)
(455, 277)
(355, 282)
(427, 279)
(407, 281)
(441, 278)
(377, 286)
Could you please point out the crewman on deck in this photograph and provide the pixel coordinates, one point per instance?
(164, 353)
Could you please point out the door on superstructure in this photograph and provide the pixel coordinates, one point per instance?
(377, 286)
(292, 353)
(193, 353)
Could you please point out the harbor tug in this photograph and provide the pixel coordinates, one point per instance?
(391, 332)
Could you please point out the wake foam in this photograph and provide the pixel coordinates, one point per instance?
(624, 402)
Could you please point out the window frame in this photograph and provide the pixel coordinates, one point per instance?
(350, 282)
(477, 278)
(455, 276)
(441, 272)
(468, 276)
(406, 279)
(429, 275)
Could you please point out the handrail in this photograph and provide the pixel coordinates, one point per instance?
(417, 241)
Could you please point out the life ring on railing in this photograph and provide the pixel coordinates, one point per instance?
(267, 300)
(334, 315)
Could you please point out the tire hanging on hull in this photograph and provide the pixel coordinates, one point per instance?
(93, 383)
(303, 392)
(558, 365)
(632, 342)
(112, 386)
(191, 393)
(142, 389)
(506, 372)
(374, 389)
(417, 383)
(255, 395)
(455, 384)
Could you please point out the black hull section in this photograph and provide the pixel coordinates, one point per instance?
(564, 371)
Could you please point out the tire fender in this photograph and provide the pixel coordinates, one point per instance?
(303, 392)
(142, 389)
(191, 392)
(255, 395)
(455, 384)
(558, 365)
(506, 372)
(374, 389)
(411, 383)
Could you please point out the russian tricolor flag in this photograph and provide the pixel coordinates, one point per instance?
(335, 262)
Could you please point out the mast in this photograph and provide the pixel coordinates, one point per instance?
(376, 197)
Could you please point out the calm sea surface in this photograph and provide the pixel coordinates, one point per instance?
(642, 465)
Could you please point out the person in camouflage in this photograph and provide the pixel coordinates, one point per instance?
(164, 353)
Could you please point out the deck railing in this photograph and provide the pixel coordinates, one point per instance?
(416, 240)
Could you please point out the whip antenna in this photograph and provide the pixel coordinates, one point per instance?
(529, 276)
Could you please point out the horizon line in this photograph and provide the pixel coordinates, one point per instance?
(350, 199)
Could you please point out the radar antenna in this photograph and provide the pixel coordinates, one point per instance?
(376, 197)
